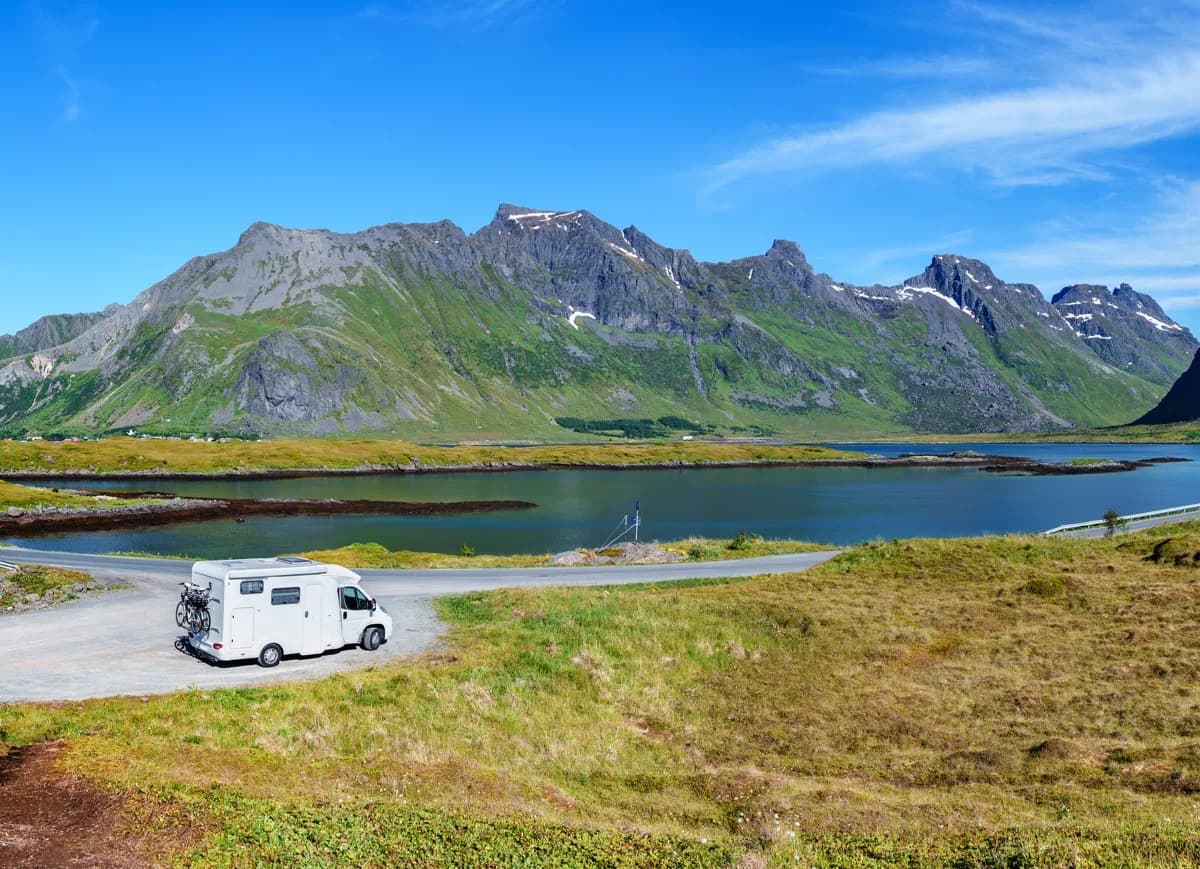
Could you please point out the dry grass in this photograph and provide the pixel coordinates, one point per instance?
(993, 701)
(135, 455)
(375, 555)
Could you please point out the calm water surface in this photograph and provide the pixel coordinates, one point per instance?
(579, 508)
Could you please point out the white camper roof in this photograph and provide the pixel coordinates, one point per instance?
(244, 568)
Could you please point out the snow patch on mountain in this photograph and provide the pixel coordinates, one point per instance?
(1159, 324)
(575, 315)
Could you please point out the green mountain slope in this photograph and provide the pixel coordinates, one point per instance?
(425, 331)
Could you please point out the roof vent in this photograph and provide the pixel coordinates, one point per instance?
(294, 559)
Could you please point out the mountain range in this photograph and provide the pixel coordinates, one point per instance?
(423, 329)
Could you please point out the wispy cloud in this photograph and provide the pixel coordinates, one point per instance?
(1166, 235)
(1157, 251)
(1102, 86)
(64, 30)
(475, 14)
(905, 68)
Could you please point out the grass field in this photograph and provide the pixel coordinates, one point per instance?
(1004, 701)
(135, 455)
(38, 497)
(1177, 433)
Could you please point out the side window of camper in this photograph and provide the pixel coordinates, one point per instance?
(285, 595)
(353, 599)
(252, 586)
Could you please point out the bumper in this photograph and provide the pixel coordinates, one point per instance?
(201, 646)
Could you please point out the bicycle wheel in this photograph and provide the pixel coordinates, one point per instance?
(198, 620)
(181, 614)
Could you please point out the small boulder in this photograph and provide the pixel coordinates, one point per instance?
(645, 553)
(16, 512)
(572, 558)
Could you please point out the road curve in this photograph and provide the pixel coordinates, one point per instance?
(1130, 526)
(123, 642)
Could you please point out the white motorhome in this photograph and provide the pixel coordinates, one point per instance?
(266, 608)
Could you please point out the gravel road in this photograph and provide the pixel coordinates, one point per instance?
(123, 642)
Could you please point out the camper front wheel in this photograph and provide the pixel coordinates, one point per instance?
(270, 656)
(372, 638)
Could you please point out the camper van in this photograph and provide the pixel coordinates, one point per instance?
(265, 608)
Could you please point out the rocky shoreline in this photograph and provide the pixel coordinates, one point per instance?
(51, 520)
(1056, 469)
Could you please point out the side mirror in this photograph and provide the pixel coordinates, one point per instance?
(374, 605)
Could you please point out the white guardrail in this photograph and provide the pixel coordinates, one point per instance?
(8, 565)
(1124, 520)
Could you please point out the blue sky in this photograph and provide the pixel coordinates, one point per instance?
(1058, 142)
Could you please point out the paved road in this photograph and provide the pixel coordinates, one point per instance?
(1132, 526)
(122, 642)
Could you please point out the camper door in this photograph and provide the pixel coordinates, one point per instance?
(356, 612)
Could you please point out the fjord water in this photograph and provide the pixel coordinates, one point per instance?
(838, 505)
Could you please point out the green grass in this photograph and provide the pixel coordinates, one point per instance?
(37, 498)
(37, 580)
(135, 455)
(382, 835)
(1088, 462)
(991, 701)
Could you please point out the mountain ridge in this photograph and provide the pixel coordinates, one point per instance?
(538, 314)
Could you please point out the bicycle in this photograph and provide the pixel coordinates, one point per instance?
(192, 610)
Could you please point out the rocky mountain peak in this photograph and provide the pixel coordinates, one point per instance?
(1081, 293)
(949, 271)
(51, 331)
(519, 219)
(1130, 298)
(1121, 325)
(260, 229)
(1097, 299)
(789, 252)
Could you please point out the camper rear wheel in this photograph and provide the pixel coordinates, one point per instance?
(270, 655)
(372, 639)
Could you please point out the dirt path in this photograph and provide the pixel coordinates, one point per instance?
(49, 818)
